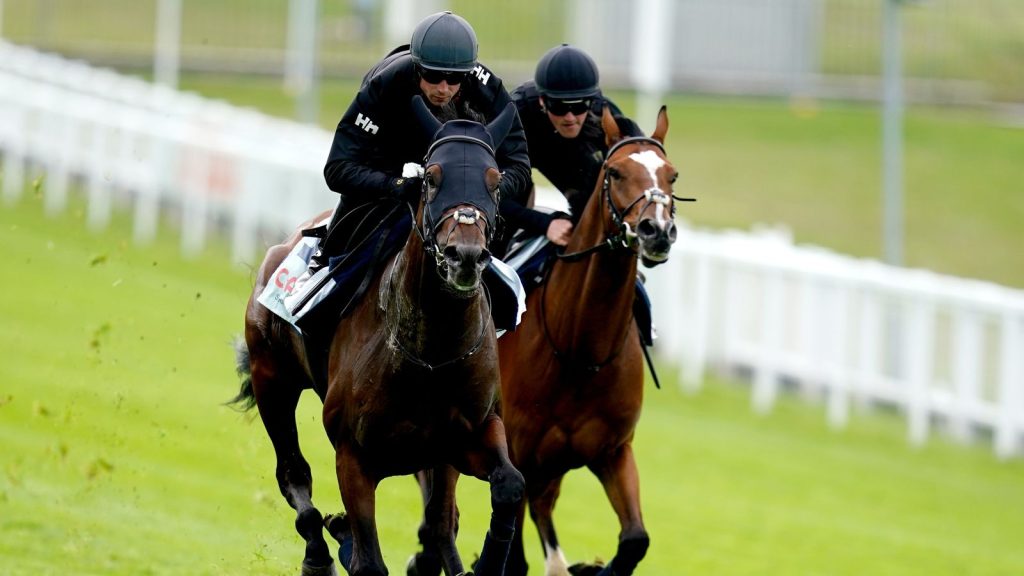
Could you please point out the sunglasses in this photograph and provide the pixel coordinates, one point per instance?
(563, 107)
(436, 76)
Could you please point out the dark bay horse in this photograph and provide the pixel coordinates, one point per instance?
(412, 378)
(572, 373)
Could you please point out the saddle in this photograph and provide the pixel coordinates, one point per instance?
(370, 235)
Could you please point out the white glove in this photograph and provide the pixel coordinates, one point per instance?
(412, 170)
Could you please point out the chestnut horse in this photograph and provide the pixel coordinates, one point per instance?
(412, 378)
(572, 373)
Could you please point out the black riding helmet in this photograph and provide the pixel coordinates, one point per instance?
(444, 42)
(566, 73)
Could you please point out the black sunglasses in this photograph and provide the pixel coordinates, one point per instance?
(563, 107)
(436, 76)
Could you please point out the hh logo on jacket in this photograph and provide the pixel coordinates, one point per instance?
(365, 123)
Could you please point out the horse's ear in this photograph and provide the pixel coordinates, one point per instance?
(499, 127)
(661, 127)
(610, 127)
(426, 120)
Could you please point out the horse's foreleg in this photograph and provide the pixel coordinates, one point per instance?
(276, 400)
(440, 524)
(516, 564)
(359, 552)
(507, 488)
(542, 497)
(618, 475)
(427, 562)
(442, 515)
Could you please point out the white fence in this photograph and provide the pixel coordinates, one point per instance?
(204, 161)
(946, 351)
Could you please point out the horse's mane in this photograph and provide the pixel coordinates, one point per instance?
(457, 109)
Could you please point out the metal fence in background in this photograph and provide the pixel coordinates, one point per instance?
(956, 51)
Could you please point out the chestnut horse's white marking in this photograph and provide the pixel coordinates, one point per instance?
(648, 159)
(554, 562)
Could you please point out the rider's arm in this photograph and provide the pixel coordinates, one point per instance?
(517, 181)
(360, 135)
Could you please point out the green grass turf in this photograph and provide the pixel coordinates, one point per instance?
(117, 457)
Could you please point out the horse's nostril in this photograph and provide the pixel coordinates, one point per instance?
(466, 255)
(672, 232)
(646, 229)
(451, 253)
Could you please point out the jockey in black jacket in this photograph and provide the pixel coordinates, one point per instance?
(378, 135)
(561, 113)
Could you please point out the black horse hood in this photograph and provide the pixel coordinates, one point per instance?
(461, 148)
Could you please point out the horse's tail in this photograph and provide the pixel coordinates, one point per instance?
(245, 399)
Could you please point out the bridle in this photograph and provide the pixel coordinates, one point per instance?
(624, 237)
(427, 229)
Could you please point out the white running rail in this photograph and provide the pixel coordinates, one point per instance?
(157, 150)
(946, 351)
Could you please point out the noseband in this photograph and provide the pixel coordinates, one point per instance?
(625, 236)
(427, 230)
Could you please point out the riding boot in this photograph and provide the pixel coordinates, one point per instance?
(328, 244)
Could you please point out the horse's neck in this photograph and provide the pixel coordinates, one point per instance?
(601, 284)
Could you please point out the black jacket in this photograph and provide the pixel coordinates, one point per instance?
(571, 164)
(379, 134)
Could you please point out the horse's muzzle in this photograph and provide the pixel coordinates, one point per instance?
(465, 265)
(655, 240)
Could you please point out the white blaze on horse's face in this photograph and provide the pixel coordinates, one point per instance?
(651, 161)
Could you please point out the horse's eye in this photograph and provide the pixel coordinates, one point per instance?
(612, 172)
(673, 179)
(432, 187)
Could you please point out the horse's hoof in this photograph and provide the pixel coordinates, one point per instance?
(311, 570)
(582, 569)
(337, 526)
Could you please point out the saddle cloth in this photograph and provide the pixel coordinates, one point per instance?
(304, 301)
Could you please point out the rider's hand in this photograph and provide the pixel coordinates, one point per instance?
(559, 231)
(407, 189)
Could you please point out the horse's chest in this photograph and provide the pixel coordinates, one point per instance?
(417, 425)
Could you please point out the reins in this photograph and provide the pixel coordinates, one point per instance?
(393, 330)
(622, 239)
(551, 342)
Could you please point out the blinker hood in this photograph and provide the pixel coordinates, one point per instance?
(464, 150)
